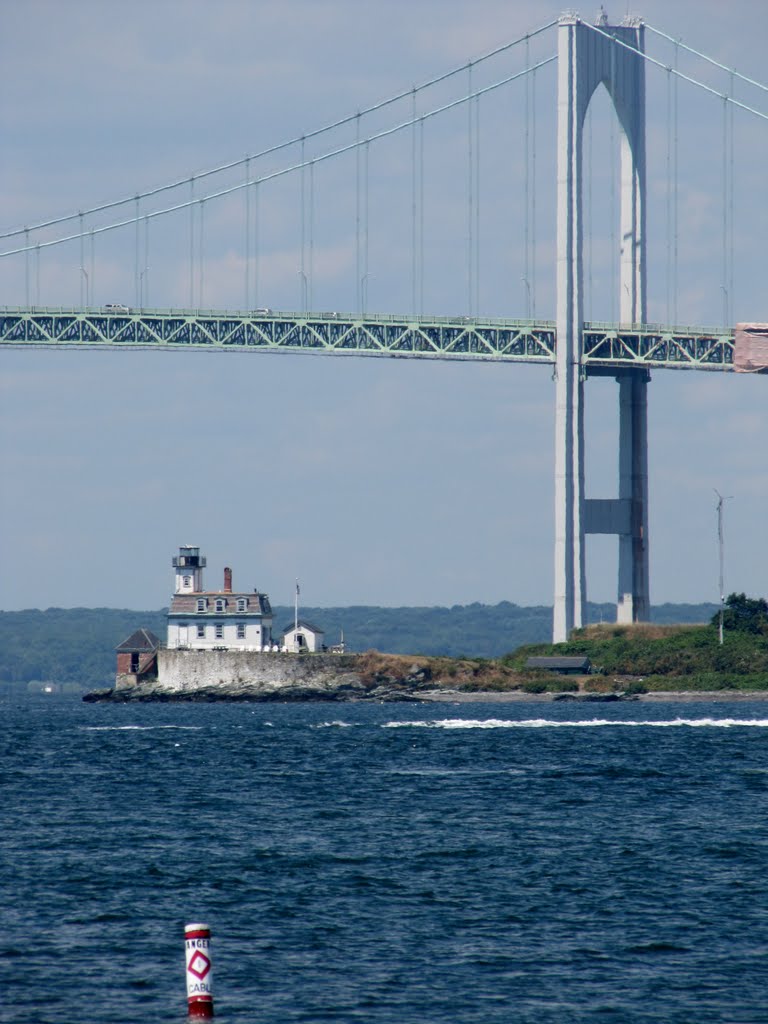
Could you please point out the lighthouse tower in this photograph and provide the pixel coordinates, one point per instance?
(189, 567)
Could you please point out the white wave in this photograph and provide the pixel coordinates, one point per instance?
(332, 725)
(137, 728)
(592, 723)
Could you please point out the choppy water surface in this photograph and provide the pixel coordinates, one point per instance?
(406, 864)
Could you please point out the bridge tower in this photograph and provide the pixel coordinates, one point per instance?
(586, 59)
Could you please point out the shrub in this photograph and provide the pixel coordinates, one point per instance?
(563, 686)
(634, 688)
(535, 686)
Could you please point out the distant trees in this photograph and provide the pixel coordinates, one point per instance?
(744, 614)
(77, 645)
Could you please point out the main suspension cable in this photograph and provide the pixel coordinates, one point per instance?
(678, 74)
(189, 204)
(710, 60)
(279, 146)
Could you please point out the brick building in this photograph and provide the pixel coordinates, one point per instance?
(137, 656)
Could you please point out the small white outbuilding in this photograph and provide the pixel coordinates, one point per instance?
(303, 636)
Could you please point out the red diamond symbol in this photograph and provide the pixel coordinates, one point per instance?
(199, 965)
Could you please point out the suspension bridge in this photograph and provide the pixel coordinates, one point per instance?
(279, 193)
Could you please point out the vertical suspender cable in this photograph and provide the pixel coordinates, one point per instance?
(247, 231)
(302, 271)
(37, 274)
(414, 176)
(421, 216)
(93, 264)
(358, 270)
(26, 266)
(365, 227)
(613, 165)
(533, 196)
(145, 289)
(256, 244)
(469, 192)
(675, 206)
(81, 275)
(201, 225)
(311, 230)
(613, 213)
(588, 219)
(724, 175)
(668, 275)
(527, 177)
(191, 242)
(731, 143)
(477, 206)
(136, 278)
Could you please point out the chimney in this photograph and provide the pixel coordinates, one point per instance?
(227, 581)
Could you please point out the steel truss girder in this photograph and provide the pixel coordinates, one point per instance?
(415, 337)
(442, 338)
(652, 345)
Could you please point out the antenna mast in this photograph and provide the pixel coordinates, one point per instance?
(720, 500)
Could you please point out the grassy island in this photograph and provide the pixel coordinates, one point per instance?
(644, 657)
(627, 659)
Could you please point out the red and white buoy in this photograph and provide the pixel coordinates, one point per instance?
(197, 943)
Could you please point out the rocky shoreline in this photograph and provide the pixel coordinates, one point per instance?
(387, 695)
(189, 676)
(656, 697)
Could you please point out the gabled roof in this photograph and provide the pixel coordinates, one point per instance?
(303, 624)
(141, 642)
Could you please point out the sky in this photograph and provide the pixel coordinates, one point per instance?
(372, 481)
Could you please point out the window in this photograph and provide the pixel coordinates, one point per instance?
(200, 631)
(221, 604)
(241, 631)
(242, 604)
(219, 630)
(187, 581)
(202, 604)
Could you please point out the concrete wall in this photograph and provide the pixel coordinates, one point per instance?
(245, 673)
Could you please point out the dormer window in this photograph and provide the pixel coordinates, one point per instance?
(242, 604)
(202, 604)
(221, 604)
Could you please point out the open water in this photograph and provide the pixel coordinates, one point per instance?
(388, 864)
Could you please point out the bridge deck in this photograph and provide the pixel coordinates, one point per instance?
(524, 341)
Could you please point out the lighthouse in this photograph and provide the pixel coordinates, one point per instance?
(217, 620)
(189, 565)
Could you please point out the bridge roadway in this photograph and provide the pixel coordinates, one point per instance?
(523, 341)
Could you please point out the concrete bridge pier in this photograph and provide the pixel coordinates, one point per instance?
(586, 60)
(627, 515)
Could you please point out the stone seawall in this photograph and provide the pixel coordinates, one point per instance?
(191, 675)
(267, 674)
(244, 675)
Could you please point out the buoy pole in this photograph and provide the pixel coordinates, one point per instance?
(197, 943)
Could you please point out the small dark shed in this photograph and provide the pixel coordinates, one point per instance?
(137, 653)
(573, 666)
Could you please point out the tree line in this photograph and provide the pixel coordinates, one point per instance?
(77, 645)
